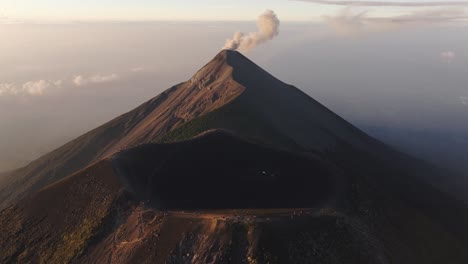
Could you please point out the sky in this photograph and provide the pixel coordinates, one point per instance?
(62, 10)
(150, 9)
(398, 73)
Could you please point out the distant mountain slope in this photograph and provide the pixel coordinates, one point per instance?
(220, 199)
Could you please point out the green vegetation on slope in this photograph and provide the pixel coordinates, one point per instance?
(237, 117)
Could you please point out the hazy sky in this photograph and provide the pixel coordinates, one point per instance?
(289, 10)
(373, 66)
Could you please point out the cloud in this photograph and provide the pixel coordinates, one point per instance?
(347, 22)
(104, 78)
(4, 20)
(448, 56)
(268, 28)
(80, 80)
(36, 87)
(464, 100)
(58, 83)
(41, 87)
(8, 89)
(388, 3)
(33, 88)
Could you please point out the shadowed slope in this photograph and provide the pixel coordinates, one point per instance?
(219, 171)
(111, 212)
(60, 223)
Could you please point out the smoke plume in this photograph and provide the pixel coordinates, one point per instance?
(268, 28)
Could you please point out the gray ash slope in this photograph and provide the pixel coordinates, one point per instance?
(383, 201)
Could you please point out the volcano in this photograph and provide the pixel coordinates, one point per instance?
(232, 166)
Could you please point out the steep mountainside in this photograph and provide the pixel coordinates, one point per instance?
(232, 166)
(209, 89)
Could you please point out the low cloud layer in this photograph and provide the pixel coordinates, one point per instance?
(34, 88)
(388, 3)
(41, 87)
(80, 80)
(268, 28)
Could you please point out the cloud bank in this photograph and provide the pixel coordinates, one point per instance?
(41, 87)
(268, 28)
(34, 88)
(388, 3)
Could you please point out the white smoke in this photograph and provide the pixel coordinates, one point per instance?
(268, 28)
(448, 56)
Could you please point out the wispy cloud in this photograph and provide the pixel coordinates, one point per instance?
(137, 69)
(349, 22)
(80, 80)
(388, 3)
